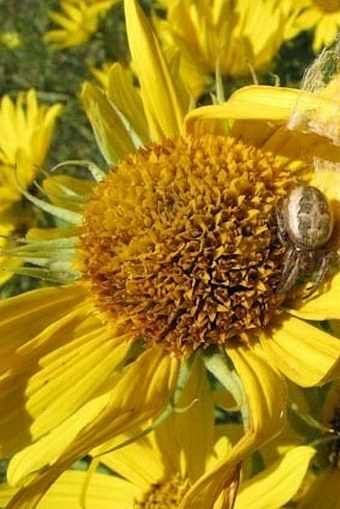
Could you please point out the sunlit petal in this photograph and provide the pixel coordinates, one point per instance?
(278, 483)
(305, 354)
(266, 398)
(164, 106)
(322, 307)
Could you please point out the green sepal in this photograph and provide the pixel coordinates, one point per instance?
(97, 173)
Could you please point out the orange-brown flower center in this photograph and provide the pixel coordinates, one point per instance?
(179, 242)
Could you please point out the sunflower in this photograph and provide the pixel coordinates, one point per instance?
(173, 254)
(235, 36)
(323, 16)
(156, 470)
(78, 23)
(26, 130)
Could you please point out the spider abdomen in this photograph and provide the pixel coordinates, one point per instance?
(308, 219)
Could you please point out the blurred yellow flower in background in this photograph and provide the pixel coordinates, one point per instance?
(79, 21)
(26, 130)
(323, 17)
(235, 35)
(102, 73)
(11, 40)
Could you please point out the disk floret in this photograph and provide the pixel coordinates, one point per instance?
(180, 241)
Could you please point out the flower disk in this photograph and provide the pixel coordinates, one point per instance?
(179, 242)
(166, 495)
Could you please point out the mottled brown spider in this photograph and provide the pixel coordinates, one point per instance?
(305, 225)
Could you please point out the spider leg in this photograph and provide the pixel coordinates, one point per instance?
(323, 271)
(290, 270)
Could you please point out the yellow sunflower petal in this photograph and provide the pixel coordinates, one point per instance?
(308, 17)
(175, 446)
(196, 441)
(42, 136)
(100, 491)
(253, 102)
(68, 192)
(276, 485)
(325, 306)
(6, 493)
(117, 410)
(63, 21)
(305, 354)
(54, 374)
(185, 448)
(125, 97)
(163, 103)
(326, 31)
(25, 465)
(25, 127)
(139, 462)
(24, 316)
(266, 398)
(35, 132)
(111, 135)
(71, 374)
